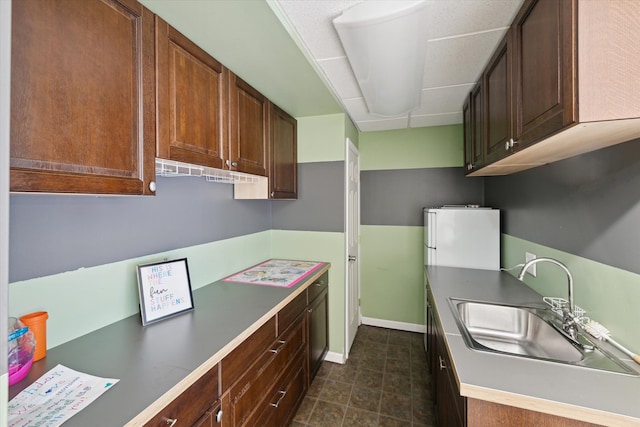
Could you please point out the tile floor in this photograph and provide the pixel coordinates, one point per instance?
(385, 382)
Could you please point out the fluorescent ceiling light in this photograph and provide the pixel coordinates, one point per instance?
(386, 44)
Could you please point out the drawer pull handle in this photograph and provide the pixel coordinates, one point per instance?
(282, 395)
(171, 421)
(276, 350)
(219, 416)
(442, 364)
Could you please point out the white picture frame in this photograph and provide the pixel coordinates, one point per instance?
(164, 289)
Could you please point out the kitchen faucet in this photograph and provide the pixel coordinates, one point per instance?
(569, 322)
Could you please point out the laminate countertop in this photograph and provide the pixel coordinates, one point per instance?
(569, 391)
(157, 362)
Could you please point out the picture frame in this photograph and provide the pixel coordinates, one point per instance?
(164, 289)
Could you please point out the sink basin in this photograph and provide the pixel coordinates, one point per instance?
(515, 330)
(531, 332)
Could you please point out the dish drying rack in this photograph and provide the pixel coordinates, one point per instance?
(172, 168)
(559, 304)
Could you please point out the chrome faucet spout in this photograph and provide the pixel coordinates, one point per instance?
(569, 319)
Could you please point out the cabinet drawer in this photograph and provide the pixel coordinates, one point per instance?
(237, 362)
(192, 403)
(288, 314)
(318, 286)
(254, 386)
(283, 401)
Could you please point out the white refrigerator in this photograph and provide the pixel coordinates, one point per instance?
(462, 236)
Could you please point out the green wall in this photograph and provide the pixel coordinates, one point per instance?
(392, 256)
(609, 295)
(432, 147)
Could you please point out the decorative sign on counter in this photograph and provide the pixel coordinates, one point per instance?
(165, 290)
(276, 272)
(55, 397)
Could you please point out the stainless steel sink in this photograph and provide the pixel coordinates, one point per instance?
(532, 332)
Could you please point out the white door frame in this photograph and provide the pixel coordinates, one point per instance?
(350, 147)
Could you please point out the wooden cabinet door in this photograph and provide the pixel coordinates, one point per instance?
(283, 156)
(545, 40)
(498, 101)
(82, 97)
(477, 126)
(248, 127)
(467, 135)
(192, 101)
(318, 333)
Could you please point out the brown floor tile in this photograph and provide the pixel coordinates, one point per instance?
(304, 411)
(369, 378)
(396, 406)
(397, 367)
(334, 391)
(365, 398)
(385, 421)
(327, 414)
(399, 353)
(398, 384)
(345, 373)
(360, 418)
(316, 387)
(385, 382)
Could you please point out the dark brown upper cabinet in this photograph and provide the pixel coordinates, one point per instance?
(473, 130)
(545, 69)
(498, 102)
(248, 127)
(192, 101)
(82, 97)
(283, 159)
(564, 82)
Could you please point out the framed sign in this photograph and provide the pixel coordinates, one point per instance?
(165, 290)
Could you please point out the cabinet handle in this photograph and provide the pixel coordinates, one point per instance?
(282, 395)
(276, 350)
(509, 144)
(442, 364)
(229, 163)
(273, 194)
(152, 186)
(171, 421)
(219, 416)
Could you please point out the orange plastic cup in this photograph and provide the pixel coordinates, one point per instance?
(37, 323)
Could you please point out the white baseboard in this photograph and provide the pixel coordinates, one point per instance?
(392, 324)
(334, 357)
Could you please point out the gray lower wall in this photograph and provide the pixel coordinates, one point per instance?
(51, 234)
(397, 197)
(320, 204)
(587, 205)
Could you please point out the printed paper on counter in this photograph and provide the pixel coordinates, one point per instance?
(55, 397)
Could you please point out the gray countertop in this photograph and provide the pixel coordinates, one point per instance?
(560, 389)
(151, 361)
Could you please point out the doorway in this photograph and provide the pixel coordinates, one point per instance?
(352, 231)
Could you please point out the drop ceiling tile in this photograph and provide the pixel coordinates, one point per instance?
(339, 73)
(313, 20)
(458, 60)
(435, 120)
(442, 100)
(455, 17)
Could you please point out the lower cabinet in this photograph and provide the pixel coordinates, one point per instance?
(263, 380)
(193, 405)
(317, 317)
(450, 406)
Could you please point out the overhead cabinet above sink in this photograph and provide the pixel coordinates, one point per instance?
(564, 81)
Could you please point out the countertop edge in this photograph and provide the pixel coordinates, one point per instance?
(152, 410)
(546, 406)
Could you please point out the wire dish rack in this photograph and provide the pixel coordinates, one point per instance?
(172, 168)
(558, 305)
